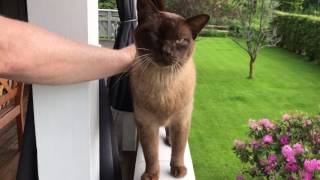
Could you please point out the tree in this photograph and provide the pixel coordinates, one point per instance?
(254, 19)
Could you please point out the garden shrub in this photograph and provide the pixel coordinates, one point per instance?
(213, 33)
(288, 149)
(299, 33)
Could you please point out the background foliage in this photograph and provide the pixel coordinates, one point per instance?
(299, 33)
(291, 5)
(219, 10)
(107, 4)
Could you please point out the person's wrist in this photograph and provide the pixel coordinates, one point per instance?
(130, 53)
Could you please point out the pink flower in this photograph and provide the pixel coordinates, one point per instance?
(307, 122)
(272, 163)
(315, 138)
(298, 148)
(266, 123)
(306, 175)
(267, 139)
(286, 117)
(254, 125)
(239, 144)
(291, 167)
(272, 158)
(254, 144)
(284, 140)
(318, 165)
(288, 153)
(240, 177)
(310, 165)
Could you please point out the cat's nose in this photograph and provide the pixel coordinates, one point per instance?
(166, 50)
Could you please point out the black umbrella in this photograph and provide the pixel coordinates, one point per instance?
(28, 167)
(119, 91)
(120, 94)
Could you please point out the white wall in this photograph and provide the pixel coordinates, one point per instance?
(66, 117)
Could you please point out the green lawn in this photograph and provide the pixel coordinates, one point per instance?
(225, 99)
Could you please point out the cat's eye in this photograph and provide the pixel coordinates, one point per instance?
(182, 42)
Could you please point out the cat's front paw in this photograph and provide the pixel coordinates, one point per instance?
(178, 171)
(150, 176)
(167, 141)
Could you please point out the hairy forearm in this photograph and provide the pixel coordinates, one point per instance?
(31, 54)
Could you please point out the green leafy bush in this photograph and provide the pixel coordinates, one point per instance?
(291, 5)
(107, 5)
(214, 33)
(299, 33)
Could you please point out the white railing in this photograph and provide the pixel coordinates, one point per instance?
(108, 24)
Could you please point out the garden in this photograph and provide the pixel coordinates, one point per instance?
(226, 99)
(266, 126)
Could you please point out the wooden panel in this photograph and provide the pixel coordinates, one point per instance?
(9, 154)
(9, 116)
(9, 90)
(6, 98)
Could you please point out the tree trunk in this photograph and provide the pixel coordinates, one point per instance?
(251, 68)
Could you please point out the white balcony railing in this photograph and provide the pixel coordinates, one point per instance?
(108, 24)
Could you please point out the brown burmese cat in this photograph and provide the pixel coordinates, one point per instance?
(163, 81)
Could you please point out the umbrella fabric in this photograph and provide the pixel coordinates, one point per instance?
(28, 167)
(120, 94)
(109, 155)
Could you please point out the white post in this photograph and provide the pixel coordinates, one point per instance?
(67, 117)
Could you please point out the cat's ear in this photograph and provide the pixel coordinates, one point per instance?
(145, 9)
(196, 23)
(160, 4)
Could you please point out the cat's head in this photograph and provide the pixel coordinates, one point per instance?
(166, 37)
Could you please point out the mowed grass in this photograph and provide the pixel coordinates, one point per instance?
(226, 99)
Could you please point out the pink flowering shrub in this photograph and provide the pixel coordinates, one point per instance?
(288, 149)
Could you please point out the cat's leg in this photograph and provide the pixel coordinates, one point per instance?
(167, 140)
(179, 133)
(149, 138)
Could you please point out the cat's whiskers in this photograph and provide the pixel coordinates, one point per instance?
(139, 60)
(145, 49)
(148, 61)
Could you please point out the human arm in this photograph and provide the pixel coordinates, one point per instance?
(33, 55)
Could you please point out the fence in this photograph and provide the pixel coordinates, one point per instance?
(108, 24)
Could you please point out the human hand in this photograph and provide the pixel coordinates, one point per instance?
(130, 52)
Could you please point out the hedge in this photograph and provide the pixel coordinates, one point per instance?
(299, 33)
(213, 33)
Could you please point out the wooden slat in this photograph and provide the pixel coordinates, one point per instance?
(1, 89)
(11, 88)
(9, 154)
(11, 103)
(4, 99)
(9, 116)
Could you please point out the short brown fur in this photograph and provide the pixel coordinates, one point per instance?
(162, 82)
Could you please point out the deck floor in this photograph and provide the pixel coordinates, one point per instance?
(9, 154)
